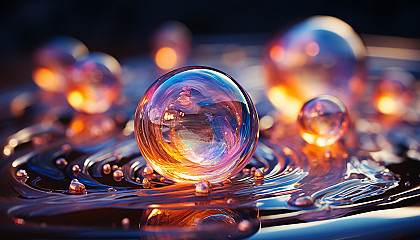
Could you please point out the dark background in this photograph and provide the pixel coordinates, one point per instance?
(123, 28)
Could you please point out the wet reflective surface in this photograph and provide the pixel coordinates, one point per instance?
(358, 187)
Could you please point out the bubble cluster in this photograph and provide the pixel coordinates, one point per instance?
(323, 120)
(94, 83)
(53, 61)
(196, 123)
(322, 55)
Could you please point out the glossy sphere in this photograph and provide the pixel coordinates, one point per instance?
(323, 120)
(94, 83)
(171, 45)
(53, 60)
(322, 55)
(196, 123)
(393, 93)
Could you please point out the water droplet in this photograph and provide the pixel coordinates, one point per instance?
(202, 188)
(106, 169)
(223, 131)
(230, 201)
(305, 201)
(259, 174)
(112, 190)
(118, 175)
(323, 120)
(66, 148)
(61, 163)
(21, 173)
(138, 180)
(328, 154)
(125, 222)
(75, 169)
(146, 183)
(77, 187)
(147, 171)
(245, 225)
(407, 184)
(115, 167)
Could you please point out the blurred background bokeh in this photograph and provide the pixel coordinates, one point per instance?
(124, 28)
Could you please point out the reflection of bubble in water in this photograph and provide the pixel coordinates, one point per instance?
(322, 55)
(323, 120)
(196, 123)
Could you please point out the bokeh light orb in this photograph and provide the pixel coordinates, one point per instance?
(54, 59)
(195, 124)
(323, 120)
(171, 45)
(393, 93)
(322, 55)
(94, 83)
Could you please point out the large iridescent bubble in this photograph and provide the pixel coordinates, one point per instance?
(322, 55)
(196, 123)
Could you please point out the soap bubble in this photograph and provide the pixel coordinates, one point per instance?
(94, 83)
(171, 45)
(323, 120)
(53, 60)
(393, 93)
(322, 55)
(196, 123)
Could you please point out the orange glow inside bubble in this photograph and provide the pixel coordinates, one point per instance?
(77, 126)
(387, 105)
(312, 49)
(166, 58)
(76, 99)
(48, 80)
(290, 106)
(277, 53)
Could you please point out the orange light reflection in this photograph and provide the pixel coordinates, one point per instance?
(166, 58)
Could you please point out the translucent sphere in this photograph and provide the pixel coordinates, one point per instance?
(323, 120)
(94, 83)
(171, 45)
(322, 55)
(196, 123)
(53, 60)
(393, 93)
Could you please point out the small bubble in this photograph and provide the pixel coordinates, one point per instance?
(19, 221)
(138, 180)
(112, 189)
(77, 187)
(146, 183)
(328, 154)
(21, 173)
(407, 184)
(115, 167)
(147, 171)
(66, 148)
(305, 201)
(75, 169)
(323, 120)
(125, 222)
(227, 182)
(61, 163)
(253, 169)
(259, 174)
(246, 170)
(230, 201)
(245, 225)
(202, 188)
(118, 175)
(162, 179)
(106, 169)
